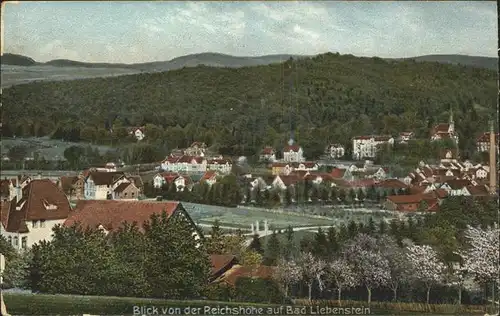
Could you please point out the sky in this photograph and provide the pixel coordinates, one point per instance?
(132, 32)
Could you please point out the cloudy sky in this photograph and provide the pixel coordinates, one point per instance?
(132, 32)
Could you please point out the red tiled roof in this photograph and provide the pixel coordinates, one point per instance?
(440, 193)
(208, 175)
(417, 189)
(169, 176)
(392, 184)
(479, 190)
(337, 172)
(294, 148)
(309, 164)
(111, 214)
(67, 182)
(300, 173)
(485, 138)
(5, 207)
(5, 187)
(220, 262)
(267, 151)
(383, 138)
(261, 271)
(38, 195)
(408, 199)
(440, 128)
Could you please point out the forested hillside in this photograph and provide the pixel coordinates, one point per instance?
(333, 98)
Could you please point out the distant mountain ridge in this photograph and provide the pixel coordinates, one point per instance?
(223, 60)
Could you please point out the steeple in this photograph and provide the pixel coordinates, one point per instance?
(451, 121)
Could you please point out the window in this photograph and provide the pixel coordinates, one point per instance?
(125, 194)
(9, 239)
(133, 194)
(24, 242)
(34, 224)
(42, 223)
(16, 241)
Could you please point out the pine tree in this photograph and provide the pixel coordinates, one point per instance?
(272, 252)
(371, 228)
(256, 245)
(343, 233)
(289, 247)
(306, 245)
(177, 266)
(352, 229)
(361, 195)
(333, 243)
(382, 228)
(320, 245)
(215, 243)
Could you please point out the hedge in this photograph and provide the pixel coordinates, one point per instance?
(44, 304)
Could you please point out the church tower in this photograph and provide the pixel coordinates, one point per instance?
(451, 122)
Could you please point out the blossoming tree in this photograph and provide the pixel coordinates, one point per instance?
(287, 273)
(426, 266)
(342, 274)
(311, 269)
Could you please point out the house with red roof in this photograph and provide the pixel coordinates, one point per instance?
(268, 154)
(181, 182)
(293, 153)
(237, 271)
(209, 177)
(29, 217)
(221, 264)
(110, 215)
(282, 182)
(412, 203)
(444, 131)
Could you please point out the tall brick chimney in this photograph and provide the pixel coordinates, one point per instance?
(493, 161)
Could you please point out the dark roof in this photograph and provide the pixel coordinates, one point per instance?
(105, 178)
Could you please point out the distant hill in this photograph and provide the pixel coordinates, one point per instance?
(222, 60)
(473, 61)
(19, 69)
(18, 60)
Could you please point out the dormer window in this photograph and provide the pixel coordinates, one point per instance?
(42, 223)
(34, 224)
(48, 206)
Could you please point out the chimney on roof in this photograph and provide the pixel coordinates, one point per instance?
(493, 161)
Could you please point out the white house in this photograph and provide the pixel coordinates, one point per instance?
(100, 185)
(197, 149)
(367, 146)
(138, 132)
(184, 164)
(223, 165)
(483, 142)
(30, 216)
(293, 153)
(335, 151)
(268, 154)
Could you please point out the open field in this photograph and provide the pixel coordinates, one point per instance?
(44, 146)
(243, 218)
(14, 75)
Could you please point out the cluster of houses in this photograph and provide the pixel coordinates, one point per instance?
(366, 146)
(31, 208)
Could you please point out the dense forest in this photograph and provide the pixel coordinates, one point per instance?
(327, 98)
